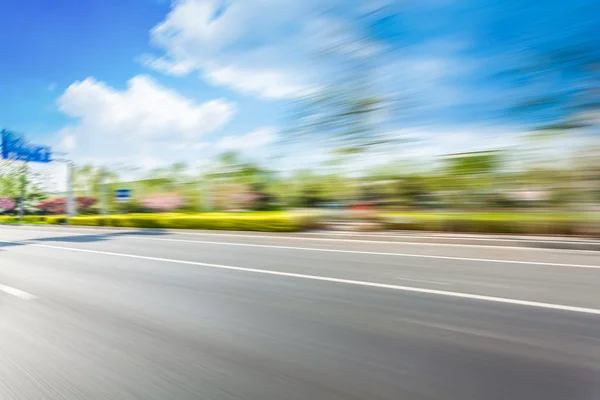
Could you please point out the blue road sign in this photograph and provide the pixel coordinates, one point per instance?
(122, 195)
(16, 148)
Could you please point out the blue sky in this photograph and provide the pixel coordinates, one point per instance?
(155, 82)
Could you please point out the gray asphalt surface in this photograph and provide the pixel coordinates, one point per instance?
(101, 314)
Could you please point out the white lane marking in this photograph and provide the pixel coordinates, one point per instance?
(17, 293)
(490, 260)
(378, 253)
(535, 239)
(261, 236)
(422, 280)
(338, 280)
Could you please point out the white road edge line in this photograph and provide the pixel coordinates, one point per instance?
(490, 260)
(260, 236)
(369, 252)
(536, 239)
(339, 280)
(17, 293)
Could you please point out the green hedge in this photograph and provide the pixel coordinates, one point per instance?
(45, 219)
(251, 221)
(476, 222)
(266, 222)
(495, 222)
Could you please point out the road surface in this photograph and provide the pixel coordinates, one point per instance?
(106, 314)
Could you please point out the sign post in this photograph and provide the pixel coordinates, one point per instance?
(123, 196)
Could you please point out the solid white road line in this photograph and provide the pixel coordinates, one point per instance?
(378, 253)
(337, 280)
(488, 260)
(17, 293)
(413, 235)
(331, 239)
(536, 239)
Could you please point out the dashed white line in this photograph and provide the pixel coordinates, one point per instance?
(17, 293)
(339, 280)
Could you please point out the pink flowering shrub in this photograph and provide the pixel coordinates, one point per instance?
(6, 204)
(163, 202)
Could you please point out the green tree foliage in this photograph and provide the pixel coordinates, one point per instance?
(555, 78)
(17, 179)
(88, 179)
(348, 108)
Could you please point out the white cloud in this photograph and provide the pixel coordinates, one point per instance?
(256, 139)
(144, 110)
(258, 47)
(269, 83)
(161, 64)
(142, 124)
(200, 145)
(69, 142)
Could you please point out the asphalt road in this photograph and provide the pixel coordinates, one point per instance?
(104, 314)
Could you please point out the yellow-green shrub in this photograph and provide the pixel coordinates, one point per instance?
(56, 219)
(44, 219)
(34, 219)
(493, 222)
(267, 221)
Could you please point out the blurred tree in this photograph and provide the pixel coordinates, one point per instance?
(169, 177)
(243, 182)
(476, 163)
(472, 176)
(348, 111)
(89, 179)
(58, 205)
(413, 189)
(16, 179)
(230, 167)
(9, 176)
(163, 202)
(6, 204)
(555, 77)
